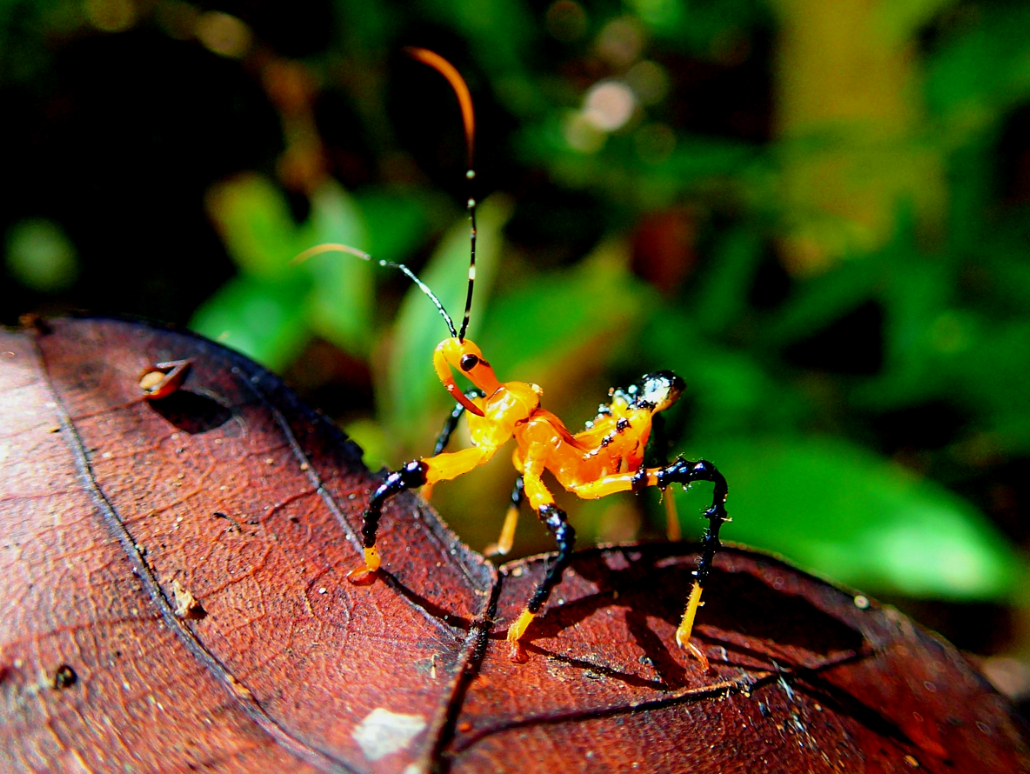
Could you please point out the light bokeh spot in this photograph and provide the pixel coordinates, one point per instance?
(608, 105)
(224, 34)
(40, 256)
(110, 15)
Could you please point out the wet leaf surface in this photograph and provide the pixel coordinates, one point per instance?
(121, 519)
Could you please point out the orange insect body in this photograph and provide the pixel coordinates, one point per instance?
(596, 462)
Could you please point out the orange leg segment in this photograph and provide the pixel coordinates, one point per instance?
(450, 465)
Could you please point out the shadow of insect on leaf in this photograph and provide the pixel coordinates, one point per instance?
(192, 412)
(424, 603)
(753, 624)
(744, 604)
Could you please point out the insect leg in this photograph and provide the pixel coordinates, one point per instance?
(557, 522)
(414, 474)
(511, 518)
(672, 520)
(684, 472)
(452, 421)
(448, 429)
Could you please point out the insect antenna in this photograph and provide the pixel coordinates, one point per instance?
(333, 247)
(448, 71)
(461, 90)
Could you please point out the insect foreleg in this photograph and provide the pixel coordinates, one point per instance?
(412, 475)
(439, 467)
(448, 429)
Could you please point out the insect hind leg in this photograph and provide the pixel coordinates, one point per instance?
(685, 472)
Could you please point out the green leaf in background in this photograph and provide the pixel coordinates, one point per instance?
(412, 387)
(396, 224)
(499, 30)
(844, 512)
(618, 172)
(263, 320)
(823, 299)
(902, 20)
(663, 16)
(254, 220)
(568, 323)
(340, 302)
(728, 389)
(975, 76)
(330, 294)
(990, 368)
(707, 28)
(722, 298)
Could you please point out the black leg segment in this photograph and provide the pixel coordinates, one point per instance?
(685, 472)
(452, 421)
(557, 522)
(518, 493)
(411, 476)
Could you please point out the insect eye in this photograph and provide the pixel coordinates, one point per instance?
(468, 362)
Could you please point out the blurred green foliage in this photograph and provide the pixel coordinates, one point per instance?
(816, 215)
(271, 309)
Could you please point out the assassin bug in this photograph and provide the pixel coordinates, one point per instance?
(606, 457)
